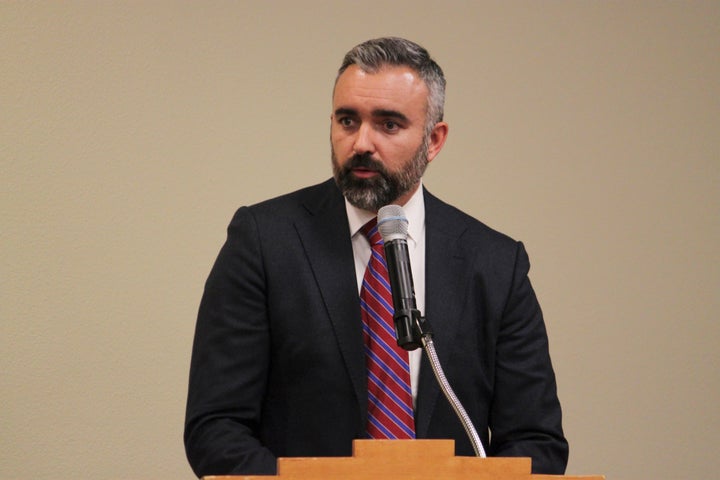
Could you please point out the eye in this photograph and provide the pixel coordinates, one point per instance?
(390, 125)
(346, 122)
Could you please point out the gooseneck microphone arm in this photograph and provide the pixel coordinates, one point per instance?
(411, 328)
(467, 424)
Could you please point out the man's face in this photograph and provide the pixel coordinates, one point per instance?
(379, 144)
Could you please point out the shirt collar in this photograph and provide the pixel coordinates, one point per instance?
(414, 211)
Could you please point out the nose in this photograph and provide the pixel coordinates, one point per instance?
(364, 140)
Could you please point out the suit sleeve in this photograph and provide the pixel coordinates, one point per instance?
(228, 371)
(525, 416)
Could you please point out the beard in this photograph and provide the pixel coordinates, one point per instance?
(373, 193)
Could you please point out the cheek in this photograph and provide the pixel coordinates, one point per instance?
(341, 143)
(397, 155)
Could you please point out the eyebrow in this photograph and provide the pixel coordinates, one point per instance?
(345, 111)
(375, 113)
(390, 114)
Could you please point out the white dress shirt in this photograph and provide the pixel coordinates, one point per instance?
(415, 212)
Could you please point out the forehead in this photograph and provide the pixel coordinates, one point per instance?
(396, 88)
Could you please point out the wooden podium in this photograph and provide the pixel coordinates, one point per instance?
(405, 460)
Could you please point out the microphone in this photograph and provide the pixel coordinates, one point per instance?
(393, 228)
(411, 328)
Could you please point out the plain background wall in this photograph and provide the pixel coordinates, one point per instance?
(130, 132)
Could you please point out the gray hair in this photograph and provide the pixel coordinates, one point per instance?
(372, 55)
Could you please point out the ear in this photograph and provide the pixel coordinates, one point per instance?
(437, 139)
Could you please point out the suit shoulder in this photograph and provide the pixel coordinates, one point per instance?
(290, 205)
(456, 222)
(483, 247)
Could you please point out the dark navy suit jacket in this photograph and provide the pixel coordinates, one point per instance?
(278, 368)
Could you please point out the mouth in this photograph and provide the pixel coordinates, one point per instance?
(364, 172)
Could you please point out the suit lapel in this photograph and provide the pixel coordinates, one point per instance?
(445, 272)
(325, 237)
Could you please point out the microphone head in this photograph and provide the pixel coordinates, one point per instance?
(392, 223)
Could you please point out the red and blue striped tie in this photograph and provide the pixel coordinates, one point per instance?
(390, 411)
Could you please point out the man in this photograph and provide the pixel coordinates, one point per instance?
(279, 366)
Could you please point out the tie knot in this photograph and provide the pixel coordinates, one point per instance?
(370, 230)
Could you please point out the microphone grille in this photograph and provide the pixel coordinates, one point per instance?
(392, 223)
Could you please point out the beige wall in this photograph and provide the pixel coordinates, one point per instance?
(130, 131)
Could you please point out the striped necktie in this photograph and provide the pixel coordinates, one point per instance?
(390, 411)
